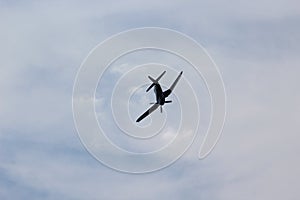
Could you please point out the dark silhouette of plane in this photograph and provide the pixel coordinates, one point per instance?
(160, 95)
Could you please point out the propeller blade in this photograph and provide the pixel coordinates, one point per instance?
(160, 76)
(154, 81)
(150, 87)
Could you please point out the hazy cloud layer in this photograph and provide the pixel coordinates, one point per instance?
(256, 46)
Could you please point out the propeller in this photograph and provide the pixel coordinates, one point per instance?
(161, 110)
(154, 81)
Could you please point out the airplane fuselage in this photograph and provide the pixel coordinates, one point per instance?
(160, 98)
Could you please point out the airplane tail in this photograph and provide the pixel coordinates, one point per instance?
(154, 81)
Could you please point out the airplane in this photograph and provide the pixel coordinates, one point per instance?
(160, 95)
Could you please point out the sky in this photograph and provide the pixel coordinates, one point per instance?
(255, 44)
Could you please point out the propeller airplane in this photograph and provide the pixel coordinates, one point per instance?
(160, 95)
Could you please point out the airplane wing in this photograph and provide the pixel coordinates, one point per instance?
(148, 112)
(168, 92)
(176, 81)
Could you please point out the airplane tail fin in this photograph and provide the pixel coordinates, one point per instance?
(154, 81)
